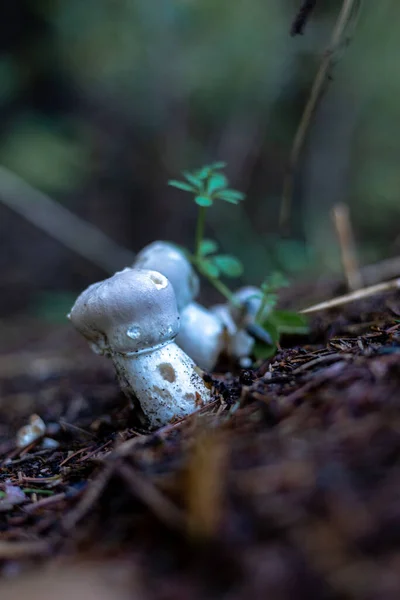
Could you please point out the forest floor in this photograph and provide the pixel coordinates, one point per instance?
(286, 486)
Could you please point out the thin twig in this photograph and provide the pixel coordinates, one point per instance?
(319, 379)
(63, 225)
(357, 295)
(75, 428)
(17, 550)
(344, 231)
(89, 498)
(36, 456)
(326, 358)
(302, 16)
(45, 503)
(145, 490)
(73, 455)
(315, 94)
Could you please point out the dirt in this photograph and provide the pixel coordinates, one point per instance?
(286, 486)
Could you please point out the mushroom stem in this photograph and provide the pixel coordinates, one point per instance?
(164, 380)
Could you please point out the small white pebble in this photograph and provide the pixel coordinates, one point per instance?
(49, 443)
(29, 433)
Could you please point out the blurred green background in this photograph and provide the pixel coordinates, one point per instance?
(103, 101)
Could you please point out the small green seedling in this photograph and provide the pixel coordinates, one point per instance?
(207, 185)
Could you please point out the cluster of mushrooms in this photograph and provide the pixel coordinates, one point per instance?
(146, 320)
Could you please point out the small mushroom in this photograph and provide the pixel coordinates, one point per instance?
(132, 317)
(201, 335)
(167, 259)
(239, 320)
(201, 332)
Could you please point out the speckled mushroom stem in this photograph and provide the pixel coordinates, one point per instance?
(165, 381)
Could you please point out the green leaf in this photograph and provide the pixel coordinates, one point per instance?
(208, 268)
(232, 196)
(272, 329)
(195, 181)
(181, 185)
(216, 182)
(218, 165)
(273, 282)
(228, 265)
(264, 351)
(208, 247)
(289, 322)
(203, 201)
(203, 173)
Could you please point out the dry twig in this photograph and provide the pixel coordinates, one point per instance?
(315, 94)
(90, 496)
(302, 17)
(386, 286)
(344, 231)
(145, 490)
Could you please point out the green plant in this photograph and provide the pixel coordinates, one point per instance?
(207, 185)
(275, 322)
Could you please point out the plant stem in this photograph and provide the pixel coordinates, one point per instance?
(222, 288)
(196, 259)
(261, 309)
(219, 285)
(312, 102)
(201, 218)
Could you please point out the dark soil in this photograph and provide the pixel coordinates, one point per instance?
(286, 486)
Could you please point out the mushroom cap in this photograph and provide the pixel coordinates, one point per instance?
(95, 338)
(173, 264)
(132, 311)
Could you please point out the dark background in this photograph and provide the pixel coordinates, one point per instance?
(103, 101)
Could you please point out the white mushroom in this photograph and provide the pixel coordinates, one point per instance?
(201, 333)
(132, 317)
(173, 264)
